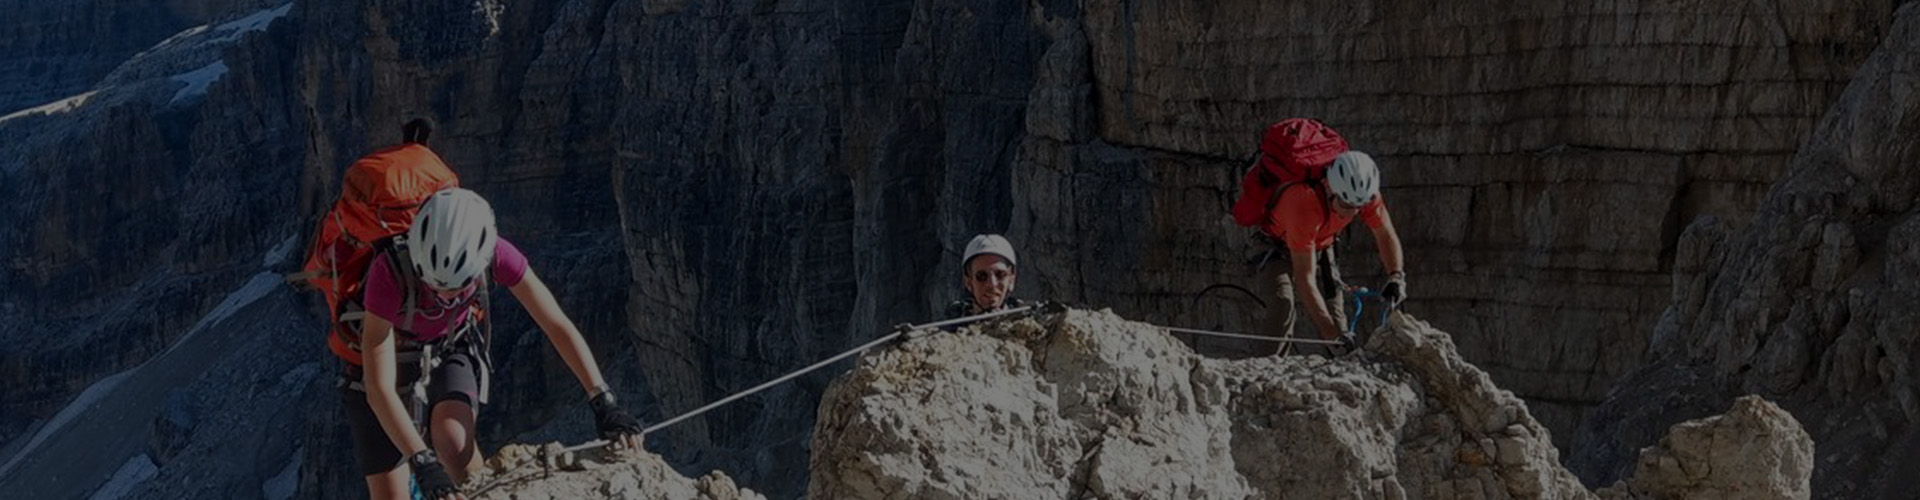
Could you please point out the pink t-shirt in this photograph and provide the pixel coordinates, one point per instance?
(430, 320)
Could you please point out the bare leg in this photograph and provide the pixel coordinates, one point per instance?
(390, 485)
(453, 438)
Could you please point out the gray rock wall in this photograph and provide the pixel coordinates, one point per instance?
(1539, 160)
(131, 215)
(1810, 304)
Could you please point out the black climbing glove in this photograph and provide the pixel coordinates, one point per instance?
(431, 477)
(907, 330)
(1396, 290)
(610, 420)
(1053, 306)
(1348, 342)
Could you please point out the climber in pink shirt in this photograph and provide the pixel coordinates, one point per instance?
(426, 302)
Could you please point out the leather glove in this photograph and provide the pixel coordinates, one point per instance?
(431, 476)
(1395, 291)
(610, 420)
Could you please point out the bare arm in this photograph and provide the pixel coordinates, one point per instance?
(534, 295)
(1389, 242)
(377, 354)
(1306, 286)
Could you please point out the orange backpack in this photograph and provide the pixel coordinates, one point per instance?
(378, 199)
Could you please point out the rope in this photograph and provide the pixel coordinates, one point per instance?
(888, 338)
(790, 376)
(1359, 295)
(1244, 336)
(1229, 286)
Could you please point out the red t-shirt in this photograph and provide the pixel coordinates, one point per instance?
(430, 321)
(1303, 220)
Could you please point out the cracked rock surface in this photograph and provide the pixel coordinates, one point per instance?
(1086, 404)
(527, 472)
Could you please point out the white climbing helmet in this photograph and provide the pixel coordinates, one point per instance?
(988, 244)
(452, 239)
(1353, 179)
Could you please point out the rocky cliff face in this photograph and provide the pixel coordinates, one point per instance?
(1082, 404)
(523, 472)
(722, 191)
(1810, 304)
(53, 50)
(1540, 161)
(127, 220)
(136, 208)
(1541, 174)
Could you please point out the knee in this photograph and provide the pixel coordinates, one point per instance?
(452, 426)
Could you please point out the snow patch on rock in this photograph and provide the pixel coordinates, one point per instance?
(197, 81)
(281, 486)
(138, 470)
(52, 108)
(256, 21)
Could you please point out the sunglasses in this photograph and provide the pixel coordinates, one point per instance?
(984, 276)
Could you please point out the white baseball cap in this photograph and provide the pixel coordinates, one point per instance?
(989, 244)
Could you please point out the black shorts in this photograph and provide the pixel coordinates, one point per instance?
(457, 378)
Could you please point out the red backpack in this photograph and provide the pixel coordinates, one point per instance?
(378, 199)
(1293, 150)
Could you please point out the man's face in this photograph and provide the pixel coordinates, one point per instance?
(1342, 208)
(990, 279)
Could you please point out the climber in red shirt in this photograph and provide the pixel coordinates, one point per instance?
(1306, 218)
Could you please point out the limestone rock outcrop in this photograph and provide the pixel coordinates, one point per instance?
(1084, 404)
(528, 472)
(1755, 451)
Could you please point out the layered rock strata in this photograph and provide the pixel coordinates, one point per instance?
(1810, 304)
(734, 189)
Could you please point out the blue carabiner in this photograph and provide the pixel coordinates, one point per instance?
(1360, 306)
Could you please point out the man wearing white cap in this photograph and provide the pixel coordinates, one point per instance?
(987, 273)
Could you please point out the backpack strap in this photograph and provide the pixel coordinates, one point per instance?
(400, 261)
(483, 346)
